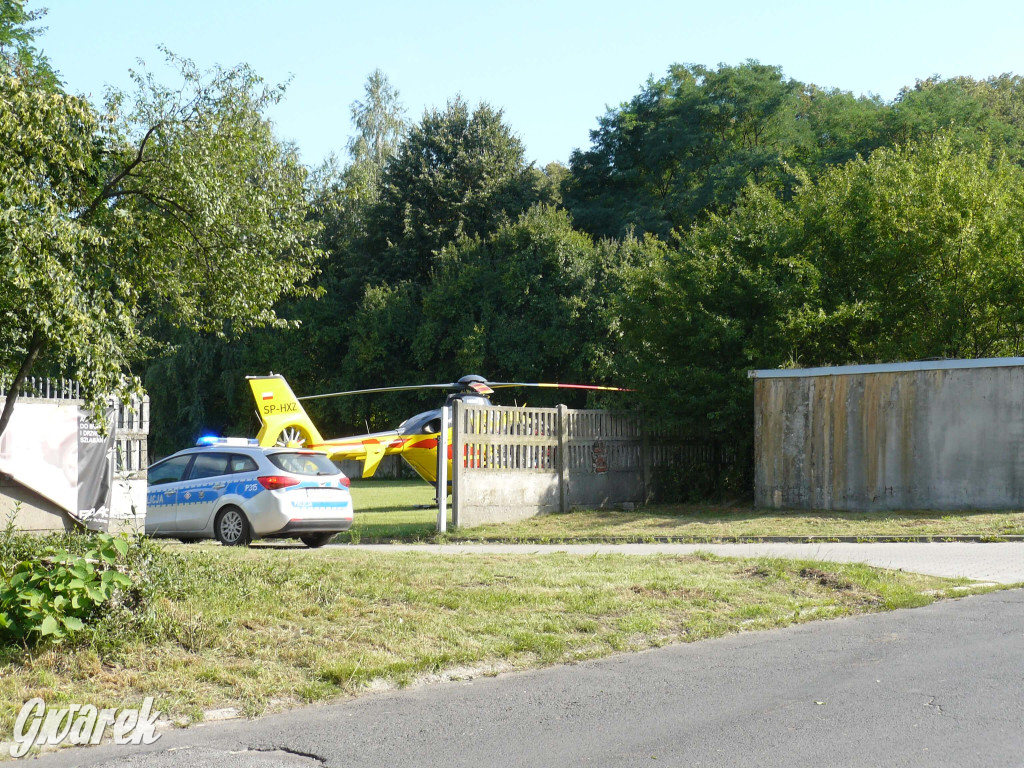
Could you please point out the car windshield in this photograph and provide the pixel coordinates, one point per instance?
(304, 463)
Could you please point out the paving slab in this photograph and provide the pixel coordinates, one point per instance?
(997, 562)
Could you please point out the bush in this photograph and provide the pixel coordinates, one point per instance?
(703, 481)
(56, 587)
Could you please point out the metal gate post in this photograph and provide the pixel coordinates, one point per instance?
(458, 460)
(442, 472)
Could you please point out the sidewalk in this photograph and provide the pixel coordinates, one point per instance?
(1000, 562)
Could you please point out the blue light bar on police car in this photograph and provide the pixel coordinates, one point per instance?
(208, 440)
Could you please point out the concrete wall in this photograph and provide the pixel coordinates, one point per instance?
(605, 490)
(127, 504)
(30, 511)
(909, 436)
(36, 514)
(505, 497)
(522, 462)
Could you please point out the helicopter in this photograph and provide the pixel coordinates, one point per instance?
(285, 422)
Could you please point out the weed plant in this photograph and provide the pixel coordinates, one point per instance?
(78, 586)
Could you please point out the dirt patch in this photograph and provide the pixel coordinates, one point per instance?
(827, 579)
(660, 593)
(758, 572)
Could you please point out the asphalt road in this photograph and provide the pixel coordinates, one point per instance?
(935, 686)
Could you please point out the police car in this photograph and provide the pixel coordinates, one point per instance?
(235, 491)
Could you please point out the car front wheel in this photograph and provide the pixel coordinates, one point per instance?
(232, 528)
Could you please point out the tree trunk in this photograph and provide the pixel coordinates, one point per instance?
(34, 348)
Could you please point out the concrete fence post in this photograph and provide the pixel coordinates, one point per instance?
(646, 460)
(563, 458)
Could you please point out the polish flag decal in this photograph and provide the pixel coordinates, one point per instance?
(268, 395)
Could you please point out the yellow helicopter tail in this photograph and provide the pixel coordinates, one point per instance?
(285, 422)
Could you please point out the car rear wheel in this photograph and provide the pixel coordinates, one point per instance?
(315, 540)
(232, 528)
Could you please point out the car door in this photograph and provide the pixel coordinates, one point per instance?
(199, 492)
(163, 480)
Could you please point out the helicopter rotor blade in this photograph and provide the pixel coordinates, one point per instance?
(504, 384)
(408, 388)
(468, 383)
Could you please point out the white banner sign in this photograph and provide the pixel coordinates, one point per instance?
(39, 449)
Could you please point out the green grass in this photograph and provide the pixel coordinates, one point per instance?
(392, 510)
(385, 512)
(702, 523)
(266, 628)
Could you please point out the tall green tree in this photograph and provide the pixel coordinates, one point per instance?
(837, 127)
(60, 300)
(921, 254)
(698, 315)
(177, 209)
(686, 145)
(380, 125)
(17, 38)
(459, 172)
(978, 112)
(531, 300)
(203, 382)
(915, 252)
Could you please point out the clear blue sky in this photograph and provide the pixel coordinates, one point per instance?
(552, 66)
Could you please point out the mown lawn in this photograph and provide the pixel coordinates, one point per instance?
(267, 628)
(386, 511)
(699, 523)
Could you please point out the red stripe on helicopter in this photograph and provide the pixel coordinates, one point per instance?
(428, 444)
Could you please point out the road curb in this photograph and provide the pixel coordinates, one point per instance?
(937, 539)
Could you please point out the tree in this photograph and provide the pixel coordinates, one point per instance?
(380, 124)
(57, 296)
(177, 208)
(921, 254)
(344, 199)
(839, 126)
(684, 146)
(978, 112)
(531, 300)
(912, 253)
(347, 193)
(697, 317)
(202, 386)
(458, 173)
(16, 38)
